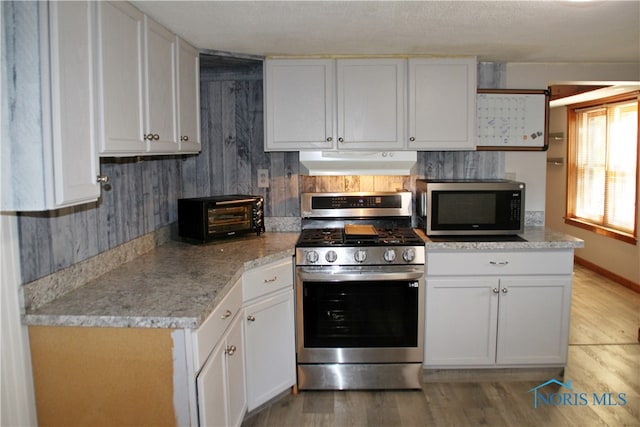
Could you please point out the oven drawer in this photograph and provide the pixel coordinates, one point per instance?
(210, 332)
(498, 263)
(269, 278)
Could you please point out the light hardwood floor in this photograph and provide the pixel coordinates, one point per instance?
(604, 357)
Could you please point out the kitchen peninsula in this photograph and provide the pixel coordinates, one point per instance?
(121, 349)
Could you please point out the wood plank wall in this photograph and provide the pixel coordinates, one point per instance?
(144, 190)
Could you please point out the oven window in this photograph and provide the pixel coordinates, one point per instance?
(360, 314)
(232, 218)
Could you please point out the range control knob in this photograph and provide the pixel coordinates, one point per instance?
(360, 256)
(389, 255)
(331, 256)
(312, 257)
(409, 255)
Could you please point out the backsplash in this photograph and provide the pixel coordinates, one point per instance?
(144, 190)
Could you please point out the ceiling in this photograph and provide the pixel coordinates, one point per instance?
(502, 31)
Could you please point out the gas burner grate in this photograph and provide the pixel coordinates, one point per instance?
(337, 237)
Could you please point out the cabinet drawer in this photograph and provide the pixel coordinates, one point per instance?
(266, 279)
(499, 263)
(210, 332)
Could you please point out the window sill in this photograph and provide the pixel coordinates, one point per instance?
(603, 231)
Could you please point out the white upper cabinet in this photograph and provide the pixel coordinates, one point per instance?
(73, 124)
(442, 103)
(120, 76)
(139, 71)
(299, 104)
(326, 104)
(49, 157)
(160, 88)
(188, 67)
(371, 103)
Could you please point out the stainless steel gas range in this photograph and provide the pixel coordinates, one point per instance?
(359, 292)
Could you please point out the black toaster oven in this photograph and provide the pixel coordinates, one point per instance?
(208, 218)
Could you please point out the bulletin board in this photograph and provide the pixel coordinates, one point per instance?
(509, 119)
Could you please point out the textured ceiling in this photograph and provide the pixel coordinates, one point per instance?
(505, 31)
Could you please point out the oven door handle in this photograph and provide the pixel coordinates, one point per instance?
(360, 275)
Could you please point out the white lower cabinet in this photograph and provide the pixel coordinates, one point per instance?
(220, 384)
(270, 348)
(243, 354)
(269, 331)
(481, 313)
(218, 359)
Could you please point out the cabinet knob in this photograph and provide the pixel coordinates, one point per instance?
(496, 290)
(102, 179)
(340, 139)
(184, 138)
(251, 318)
(329, 139)
(230, 350)
(156, 137)
(148, 137)
(226, 315)
(505, 290)
(412, 139)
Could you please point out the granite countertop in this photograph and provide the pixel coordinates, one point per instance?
(532, 238)
(177, 285)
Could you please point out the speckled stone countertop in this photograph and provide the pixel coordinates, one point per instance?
(177, 285)
(533, 238)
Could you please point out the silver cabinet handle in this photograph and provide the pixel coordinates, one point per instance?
(184, 138)
(230, 350)
(505, 290)
(226, 315)
(412, 139)
(271, 280)
(499, 262)
(340, 139)
(102, 179)
(496, 290)
(329, 139)
(148, 137)
(156, 137)
(251, 318)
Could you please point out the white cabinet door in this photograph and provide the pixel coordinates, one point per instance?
(533, 320)
(236, 378)
(221, 382)
(212, 390)
(299, 104)
(461, 318)
(442, 103)
(160, 88)
(371, 104)
(120, 77)
(73, 96)
(270, 348)
(188, 98)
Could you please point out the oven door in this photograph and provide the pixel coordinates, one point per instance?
(228, 217)
(368, 314)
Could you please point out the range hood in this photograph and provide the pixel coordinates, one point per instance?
(335, 163)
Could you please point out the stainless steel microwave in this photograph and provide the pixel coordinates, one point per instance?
(470, 207)
(208, 218)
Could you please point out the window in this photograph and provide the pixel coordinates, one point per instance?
(602, 159)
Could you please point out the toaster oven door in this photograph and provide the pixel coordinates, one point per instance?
(229, 219)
